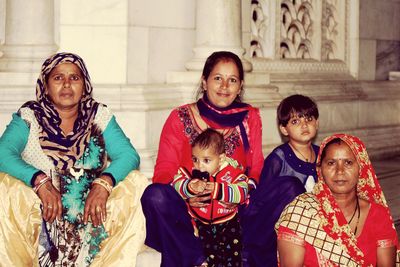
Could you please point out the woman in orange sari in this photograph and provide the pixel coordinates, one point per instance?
(345, 221)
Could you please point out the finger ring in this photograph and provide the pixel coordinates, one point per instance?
(98, 209)
(49, 206)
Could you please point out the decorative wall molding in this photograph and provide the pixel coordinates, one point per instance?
(298, 66)
(327, 91)
(346, 106)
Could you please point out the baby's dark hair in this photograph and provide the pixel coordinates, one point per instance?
(210, 138)
(299, 105)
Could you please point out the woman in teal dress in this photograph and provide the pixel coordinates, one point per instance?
(83, 209)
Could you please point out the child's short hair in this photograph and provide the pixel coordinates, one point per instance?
(210, 138)
(300, 105)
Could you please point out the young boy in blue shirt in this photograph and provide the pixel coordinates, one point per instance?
(297, 117)
(289, 170)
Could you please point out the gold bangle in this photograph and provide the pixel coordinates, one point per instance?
(103, 183)
(42, 182)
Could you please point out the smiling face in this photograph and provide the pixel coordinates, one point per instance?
(300, 130)
(206, 159)
(340, 169)
(223, 84)
(65, 86)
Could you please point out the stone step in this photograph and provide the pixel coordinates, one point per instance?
(148, 257)
(388, 172)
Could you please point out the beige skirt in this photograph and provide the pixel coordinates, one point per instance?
(20, 223)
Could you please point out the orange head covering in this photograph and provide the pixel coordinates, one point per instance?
(368, 188)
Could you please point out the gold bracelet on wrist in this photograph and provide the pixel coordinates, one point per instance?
(39, 178)
(41, 183)
(103, 183)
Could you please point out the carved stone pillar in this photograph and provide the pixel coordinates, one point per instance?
(29, 35)
(218, 27)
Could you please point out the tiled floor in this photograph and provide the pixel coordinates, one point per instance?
(388, 172)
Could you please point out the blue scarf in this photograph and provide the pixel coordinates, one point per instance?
(228, 117)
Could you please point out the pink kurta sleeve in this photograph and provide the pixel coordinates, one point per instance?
(174, 146)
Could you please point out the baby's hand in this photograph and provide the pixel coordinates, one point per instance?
(197, 186)
(210, 187)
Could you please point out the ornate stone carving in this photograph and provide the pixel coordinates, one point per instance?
(330, 31)
(296, 29)
(299, 35)
(258, 28)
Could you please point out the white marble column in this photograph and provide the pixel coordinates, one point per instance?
(29, 35)
(2, 22)
(218, 27)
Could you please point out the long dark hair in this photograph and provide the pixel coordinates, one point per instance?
(213, 60)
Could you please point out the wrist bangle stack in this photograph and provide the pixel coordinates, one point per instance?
(103, 183)
(42, 182)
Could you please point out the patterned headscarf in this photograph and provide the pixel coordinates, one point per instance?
(64, 151)
(368, 188)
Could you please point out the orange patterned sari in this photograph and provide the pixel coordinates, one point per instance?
(316, 220)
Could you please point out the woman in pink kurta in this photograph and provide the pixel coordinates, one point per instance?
(169, 226)
(186, 122)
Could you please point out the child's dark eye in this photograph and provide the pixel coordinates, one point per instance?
(233, 80)
(207, 161)
(310, 118)
(295, 121)
(194, 160)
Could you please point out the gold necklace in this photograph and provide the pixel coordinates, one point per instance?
(306, 159)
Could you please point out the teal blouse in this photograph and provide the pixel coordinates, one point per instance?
(122, 154)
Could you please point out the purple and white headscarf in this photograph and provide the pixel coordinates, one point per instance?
(63, 150)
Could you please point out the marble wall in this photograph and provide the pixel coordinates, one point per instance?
(128, 41)
(137, 53)
(379, 38)
(387, 58)
(97, 31)
(129, 36)
(161, 38)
